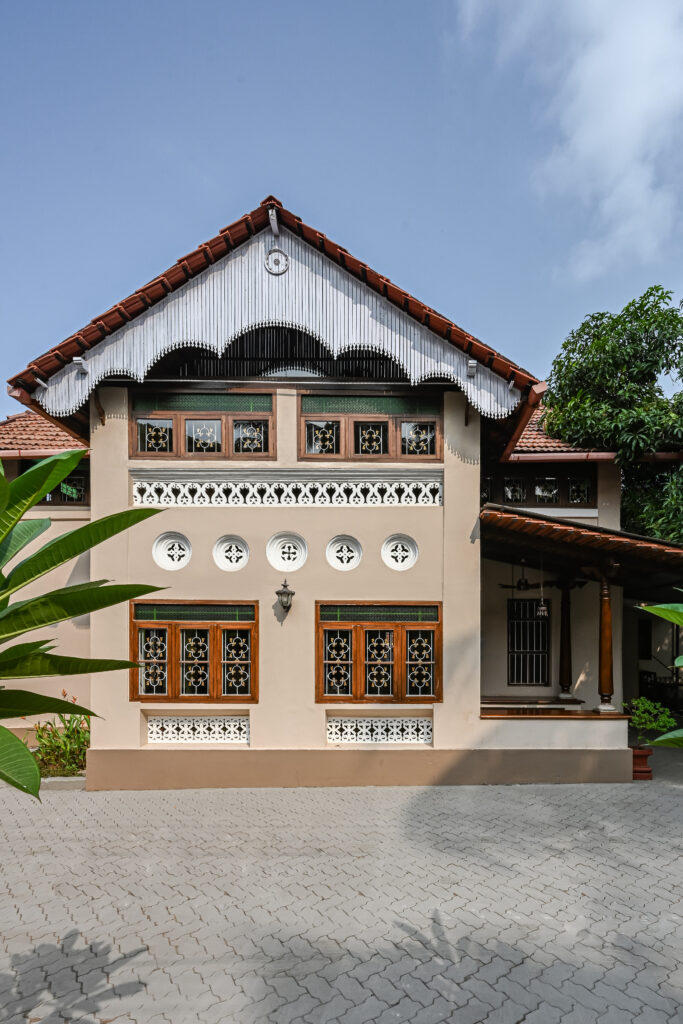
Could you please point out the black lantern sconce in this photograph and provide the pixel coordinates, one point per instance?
(284, 596)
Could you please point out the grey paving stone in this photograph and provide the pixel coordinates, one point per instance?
(541, 904)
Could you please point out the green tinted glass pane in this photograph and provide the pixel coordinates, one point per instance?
(379, 613)
(369, 404)
(195, 612)
(191, 402)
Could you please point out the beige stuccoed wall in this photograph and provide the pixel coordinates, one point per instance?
(609, 496)
(287, 716)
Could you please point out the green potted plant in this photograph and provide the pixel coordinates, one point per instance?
(647, 718)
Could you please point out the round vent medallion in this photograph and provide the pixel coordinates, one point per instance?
(399, 552)
(231, 553)
(286, 551)
(344, 553)
(277, 261)
(171, 551)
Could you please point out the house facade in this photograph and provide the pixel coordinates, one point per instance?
(375, 568)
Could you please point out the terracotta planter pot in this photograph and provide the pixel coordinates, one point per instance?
(641, 769)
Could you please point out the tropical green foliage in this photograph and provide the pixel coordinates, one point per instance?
(648, 717)
(35, 658)
(672, 613)
(669, 739)
(605, 392)
(62, 745)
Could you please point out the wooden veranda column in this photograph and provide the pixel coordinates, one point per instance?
(565, 643)
(606, 677)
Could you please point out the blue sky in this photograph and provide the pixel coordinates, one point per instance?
(516, 166)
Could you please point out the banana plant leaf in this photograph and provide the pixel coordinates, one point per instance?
(22, 650)
(17, 539)
(17, 764)
(670, 612)
(4, 492)
(70, 545)
(68, 603)
(44, 664)
(669, 739)
(19, 703)
(32, 486)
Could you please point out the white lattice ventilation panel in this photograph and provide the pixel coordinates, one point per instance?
(344, 553)
(399, 552)
(379, 730)
(198, 729)
(231, 553)
(156, 491)
(172, 551)
(286, 551)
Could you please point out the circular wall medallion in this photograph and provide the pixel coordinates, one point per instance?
(277, 261)
(286, 551)
(344, 552)
(399, 552)
(231, 553)
(171, 551)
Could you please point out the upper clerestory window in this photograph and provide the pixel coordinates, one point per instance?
(363, 428)
(235, 425)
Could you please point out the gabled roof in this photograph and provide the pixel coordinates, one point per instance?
(23, 384)
(27, 435)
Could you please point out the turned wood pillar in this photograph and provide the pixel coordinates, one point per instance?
(565, 643)
(605, 677)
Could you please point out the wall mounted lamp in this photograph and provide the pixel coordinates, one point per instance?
(284, 596)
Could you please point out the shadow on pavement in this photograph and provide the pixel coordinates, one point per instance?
(55, 982)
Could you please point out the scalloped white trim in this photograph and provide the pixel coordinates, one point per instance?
(237, 294)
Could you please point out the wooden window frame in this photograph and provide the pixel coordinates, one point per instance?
(347, 421)
(174, 696)
(529, 472)
(227, 420)
(357, 629)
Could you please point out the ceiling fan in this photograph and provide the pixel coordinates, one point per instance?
(522, 584)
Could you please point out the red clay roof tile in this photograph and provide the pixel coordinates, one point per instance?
(193, 263)
(534, 439)
(27, 433)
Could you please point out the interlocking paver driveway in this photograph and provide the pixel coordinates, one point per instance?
(538, 904)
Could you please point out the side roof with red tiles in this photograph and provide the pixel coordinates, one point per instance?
(224, 242)
(534, 438)
(28, 435)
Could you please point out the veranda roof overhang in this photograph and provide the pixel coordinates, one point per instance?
(647, 569)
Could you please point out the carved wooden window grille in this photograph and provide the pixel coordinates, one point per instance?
(379, 653)
(194, 652)
(366, 427)
(528, 643)
(174, 425)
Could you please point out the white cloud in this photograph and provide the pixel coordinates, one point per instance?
(610, 79)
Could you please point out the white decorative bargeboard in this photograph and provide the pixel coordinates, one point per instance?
(366, 729)
(155, 490)
(198, 729)
(238, 294)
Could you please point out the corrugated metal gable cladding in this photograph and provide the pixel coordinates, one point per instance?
(215, 249)
(314, 295)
